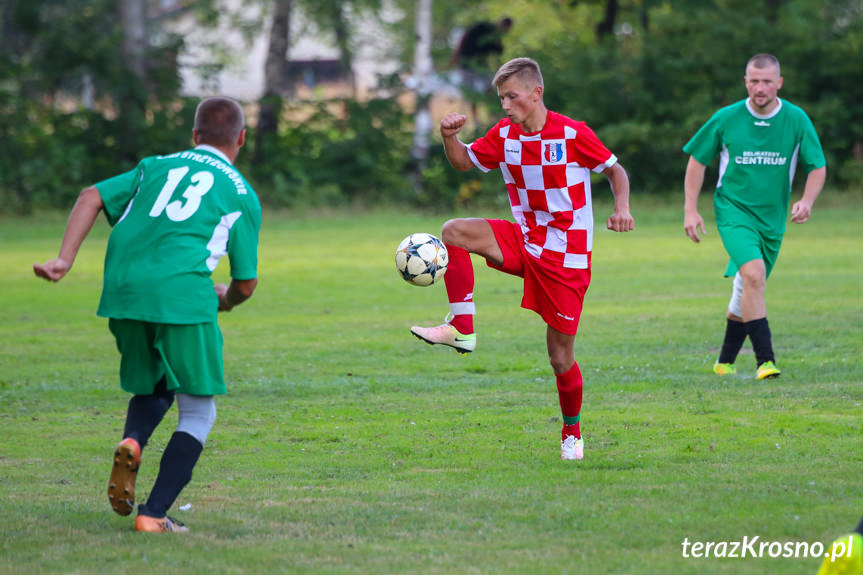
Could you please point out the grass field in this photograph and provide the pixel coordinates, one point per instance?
(345, 445)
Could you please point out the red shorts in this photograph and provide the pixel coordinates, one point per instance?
(554, 292)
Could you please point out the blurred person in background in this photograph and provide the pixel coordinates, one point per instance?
(475, 58)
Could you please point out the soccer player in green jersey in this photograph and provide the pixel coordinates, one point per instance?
(760, 141)
(174, 217)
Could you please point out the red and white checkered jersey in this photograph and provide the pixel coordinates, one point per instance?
(547, 175)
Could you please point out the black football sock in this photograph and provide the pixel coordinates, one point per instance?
(759, 334)
(146, 412)
(175, 471)
(859, 527)
(735, 335)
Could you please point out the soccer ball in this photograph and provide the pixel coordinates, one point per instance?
(421, 259)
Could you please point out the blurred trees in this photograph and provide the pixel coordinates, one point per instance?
(82, 96)
(275, 81)
(282, 166)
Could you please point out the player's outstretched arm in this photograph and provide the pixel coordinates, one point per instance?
(620, 220)
(692, 220)
(235, 294)
(801, 210)
(456, 151)
(80, 223)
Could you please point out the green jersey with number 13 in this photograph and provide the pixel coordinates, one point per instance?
(174, 217)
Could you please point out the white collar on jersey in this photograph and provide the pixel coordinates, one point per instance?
(764, 116)
(212, 150)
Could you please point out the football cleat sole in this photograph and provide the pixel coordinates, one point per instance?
(121, 485)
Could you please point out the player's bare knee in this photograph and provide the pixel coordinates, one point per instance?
(452, 232)
(561, 362)
(753, 271)
(754, 279)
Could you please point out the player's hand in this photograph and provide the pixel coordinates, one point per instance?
(620, 221)
(691, 224)
(222, 292)
(451, 124)
(800, 212)
(52, 270)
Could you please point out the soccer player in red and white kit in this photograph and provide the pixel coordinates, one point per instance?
(546, 159)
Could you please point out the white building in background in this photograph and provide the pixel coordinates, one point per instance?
(312, 57)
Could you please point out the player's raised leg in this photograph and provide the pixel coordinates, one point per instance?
(144, 376)
(569, 389)
(144, 414)
(462, 237)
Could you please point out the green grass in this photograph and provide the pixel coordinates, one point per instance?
(345, 445)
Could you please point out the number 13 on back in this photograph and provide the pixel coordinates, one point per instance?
(177, 210)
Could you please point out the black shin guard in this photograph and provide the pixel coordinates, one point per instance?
(735, 335)
(146, 412)
(175, 472)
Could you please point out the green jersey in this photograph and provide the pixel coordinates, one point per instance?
(758, 155)
(174, 217)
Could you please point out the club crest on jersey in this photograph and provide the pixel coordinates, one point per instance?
(553, 152)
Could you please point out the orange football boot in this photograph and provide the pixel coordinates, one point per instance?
(147, 524)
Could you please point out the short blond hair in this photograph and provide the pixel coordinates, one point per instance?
(526, 69)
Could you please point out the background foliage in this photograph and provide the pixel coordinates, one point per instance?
(644, 79)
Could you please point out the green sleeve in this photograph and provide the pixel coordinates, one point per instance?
(117, 193)
(707, 142)
(243, 240)
(811, 153)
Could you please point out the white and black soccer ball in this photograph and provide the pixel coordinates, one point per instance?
(421, 259)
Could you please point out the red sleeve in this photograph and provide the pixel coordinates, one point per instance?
(589, 151)
(487, 152)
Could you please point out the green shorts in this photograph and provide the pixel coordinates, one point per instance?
(188, 356)
(744, 243)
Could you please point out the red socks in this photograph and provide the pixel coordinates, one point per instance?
(459, 289)
(569, 390)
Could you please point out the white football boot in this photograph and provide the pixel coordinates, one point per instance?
(446, 334)
(572, 448)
